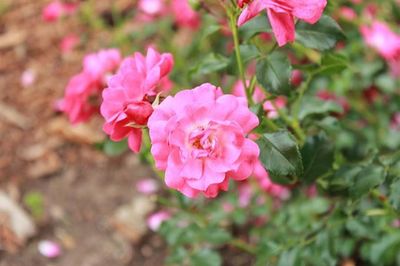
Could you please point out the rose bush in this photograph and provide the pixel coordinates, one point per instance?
(292, 157)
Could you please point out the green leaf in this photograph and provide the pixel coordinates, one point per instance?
(369, 177)
(322, 35)
(317, 156)
(247, 53)
(332, 63)
(112, 148)
(394, 196)
(255, 26)
(206, 257)
(274, 73)
(313, 106)
(281, 157)
(385, 250)
(210, 64)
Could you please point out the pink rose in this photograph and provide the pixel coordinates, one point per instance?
(185, 16)
(281, 15)
(126, 103)
(147, 186)
(199, 138)
(56, 9)
(79, 101)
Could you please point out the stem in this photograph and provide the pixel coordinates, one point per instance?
(302, 90)
(242, 245)
(294, 124)
(232, 22)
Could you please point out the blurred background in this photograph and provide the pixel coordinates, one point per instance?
(72, 202)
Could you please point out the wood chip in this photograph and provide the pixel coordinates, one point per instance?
(12, 38)
(13, 117)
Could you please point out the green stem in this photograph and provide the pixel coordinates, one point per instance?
(242, 245)
(232, 22)
(294, 124)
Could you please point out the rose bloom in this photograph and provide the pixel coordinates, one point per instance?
(79, 101)
(56, 9)
(126, 104)
(281, 14)
(199, 138)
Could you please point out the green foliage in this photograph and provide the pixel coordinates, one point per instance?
(323, 35)
(274, 73)
(281, 157)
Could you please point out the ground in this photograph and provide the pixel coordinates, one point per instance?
(81, 187)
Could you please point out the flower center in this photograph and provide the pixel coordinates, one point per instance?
(203, 142)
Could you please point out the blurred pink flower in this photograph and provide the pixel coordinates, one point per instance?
(297, 78)
(395, 123)
(281, 15)
(267, 185)
(28, 77)
(56, 9)
(184, 15)
(259, 97)
(245, 194)
(155, 220)
(152, 7)
(329, 96)
(126, 103)
(82, 90)
(347, 13)
(199, 138)
(49, 249)
(147, 186)
(380, 37)
(272, 107)
(68, 43)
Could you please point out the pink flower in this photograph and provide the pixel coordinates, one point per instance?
(49, 249)
(347, 13)
(82, 90)
(28, 77)
(329, 96)
(272, 107)
(152, 7)
(239, 90)
(185, 16)
(267, 185)
(297, 78)
(199, 138)
(395, 123)
(68, 43)
(281, 14)
(147, 186)
(380, 37)
(126, 103)
(56, 9)
(156, 219)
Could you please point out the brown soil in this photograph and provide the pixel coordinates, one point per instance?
(81, 187)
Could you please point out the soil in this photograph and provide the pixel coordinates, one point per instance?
(80, 186)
